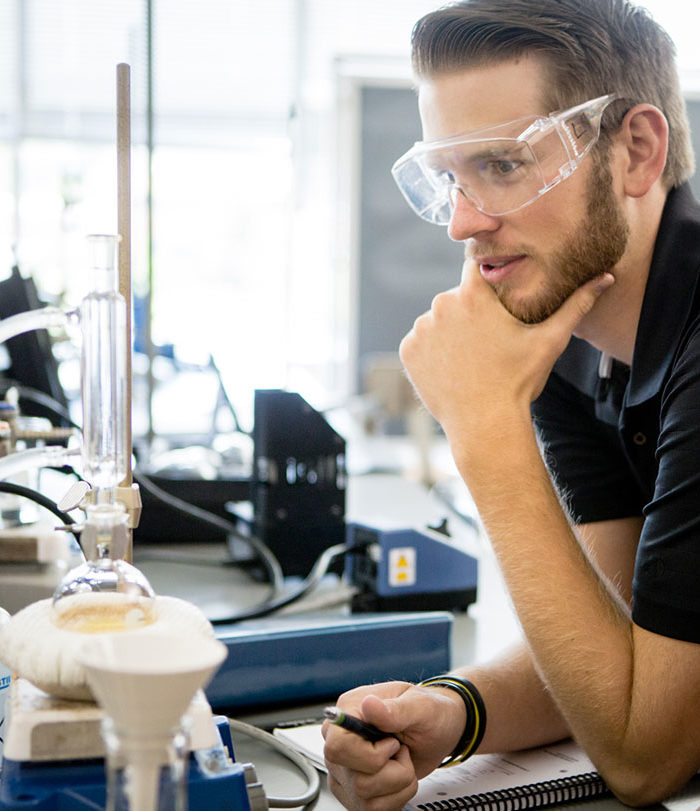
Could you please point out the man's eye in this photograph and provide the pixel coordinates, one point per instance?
(444, 176)
(500, 168)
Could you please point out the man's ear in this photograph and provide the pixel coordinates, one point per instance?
(644, 136)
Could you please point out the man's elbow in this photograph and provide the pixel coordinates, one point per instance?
(643, 786)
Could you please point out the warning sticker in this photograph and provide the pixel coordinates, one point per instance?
(402, 566)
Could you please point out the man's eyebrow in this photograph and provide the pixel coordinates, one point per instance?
(487, 153)
(453, 158)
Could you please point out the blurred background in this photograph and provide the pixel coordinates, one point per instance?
(270, 248)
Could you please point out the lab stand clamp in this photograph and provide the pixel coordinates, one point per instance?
(24, 441)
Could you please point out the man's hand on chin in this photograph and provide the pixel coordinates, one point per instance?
(474, 364)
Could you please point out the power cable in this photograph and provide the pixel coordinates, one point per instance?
(265, 554)
(42, 500)
(38, 397)
(314, 782)
(318, 571)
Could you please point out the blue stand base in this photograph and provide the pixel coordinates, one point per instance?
(80, 784)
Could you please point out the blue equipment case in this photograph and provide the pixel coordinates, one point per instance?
(309, 657)
(409, 570)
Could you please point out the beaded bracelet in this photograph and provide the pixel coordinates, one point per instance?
(475, 725)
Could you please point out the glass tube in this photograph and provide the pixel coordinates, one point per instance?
(103, 324)
(43, 318)
(105, 593)
(145, 773)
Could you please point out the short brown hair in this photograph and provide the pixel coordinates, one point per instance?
(592, 47)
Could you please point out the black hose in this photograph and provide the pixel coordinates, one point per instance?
(41, 500)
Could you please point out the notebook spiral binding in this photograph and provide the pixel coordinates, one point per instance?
(581, 787)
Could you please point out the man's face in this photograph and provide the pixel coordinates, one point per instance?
(536, 257)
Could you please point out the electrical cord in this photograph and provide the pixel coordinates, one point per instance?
(42, 500)
(39, 398)
(265, 554)
(318, 571)
(314, 781)
(279, 600)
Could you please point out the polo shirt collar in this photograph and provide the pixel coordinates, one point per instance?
(669, 294)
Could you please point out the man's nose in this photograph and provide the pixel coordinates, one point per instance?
(467, 220)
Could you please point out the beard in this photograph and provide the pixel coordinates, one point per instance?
(595, 246)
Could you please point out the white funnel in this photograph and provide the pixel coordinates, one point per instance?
(145, 681)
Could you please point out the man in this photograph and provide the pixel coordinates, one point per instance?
(574, 223)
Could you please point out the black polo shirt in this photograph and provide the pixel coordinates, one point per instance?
(629, 444)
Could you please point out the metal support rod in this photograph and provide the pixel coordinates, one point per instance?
(124, 226)
(150, 142)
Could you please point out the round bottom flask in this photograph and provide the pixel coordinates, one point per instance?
(105, 593)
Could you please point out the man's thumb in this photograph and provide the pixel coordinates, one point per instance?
(389, 714)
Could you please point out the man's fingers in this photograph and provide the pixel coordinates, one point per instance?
(581, 302)
(469, 269)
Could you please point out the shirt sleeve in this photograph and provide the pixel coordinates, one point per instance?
(584, 455)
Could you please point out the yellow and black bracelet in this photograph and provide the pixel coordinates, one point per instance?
(475, 725)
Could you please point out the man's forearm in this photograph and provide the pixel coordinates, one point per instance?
(521, 710)
(625, 693)
(577, 627)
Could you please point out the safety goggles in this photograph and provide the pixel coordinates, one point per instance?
(500, 168)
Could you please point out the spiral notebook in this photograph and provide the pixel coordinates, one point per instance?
(533, 778)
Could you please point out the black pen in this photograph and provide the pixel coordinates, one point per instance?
(369, 732)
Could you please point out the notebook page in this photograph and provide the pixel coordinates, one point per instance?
(306, 739)
(484, 773)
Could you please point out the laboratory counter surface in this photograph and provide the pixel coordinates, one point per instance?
(204, 574)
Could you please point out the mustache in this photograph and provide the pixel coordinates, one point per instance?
(473, 249)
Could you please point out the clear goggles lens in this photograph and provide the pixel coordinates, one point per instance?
(499, 169)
